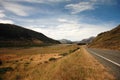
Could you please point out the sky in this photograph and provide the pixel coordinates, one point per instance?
(62, 19)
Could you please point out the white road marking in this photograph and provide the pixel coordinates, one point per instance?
(106, 59)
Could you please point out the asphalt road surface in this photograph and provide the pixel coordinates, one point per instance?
(109, 58)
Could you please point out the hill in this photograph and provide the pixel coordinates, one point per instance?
(85, 41)
(65, 41)
(107, 40)
(13, 35)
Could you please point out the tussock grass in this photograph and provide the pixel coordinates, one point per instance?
(60, 48)
(79, 65)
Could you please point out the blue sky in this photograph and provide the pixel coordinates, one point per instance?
(62, 19)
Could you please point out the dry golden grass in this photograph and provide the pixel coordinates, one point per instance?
(79, 65)
(25, 59)
(61, 48)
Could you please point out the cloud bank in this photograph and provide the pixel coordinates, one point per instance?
(72, 30)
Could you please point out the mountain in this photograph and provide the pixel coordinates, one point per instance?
(16, 35)
(65, 41)
(88, 40)
(107, 40)
(84, 41)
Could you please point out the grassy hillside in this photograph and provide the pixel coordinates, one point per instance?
(107, 40)
(15, 35)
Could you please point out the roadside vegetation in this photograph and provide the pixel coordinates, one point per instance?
(47, 63)
(77, 66)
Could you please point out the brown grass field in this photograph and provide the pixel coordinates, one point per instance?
(57, 62)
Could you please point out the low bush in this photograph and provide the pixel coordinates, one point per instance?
(8, 61)
(1, 62)
(31, 59)
(45, 61)
(64, 54)
(5, 69)
(21, 59)
(71, 51)
(52, 59)
(26, 64)
(16, 61)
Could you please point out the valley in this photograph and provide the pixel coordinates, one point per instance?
(59, 39)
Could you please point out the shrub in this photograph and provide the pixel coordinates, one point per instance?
(7, 61)
(64, 54)
(71, 51)
(21, 59)
(16, 61)
(5, 69)
(52, 59)
(31, 59)
(26, 64)
(39, 63)
(45, 61)
(1, 62)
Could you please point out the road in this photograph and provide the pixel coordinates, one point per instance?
(109, 58)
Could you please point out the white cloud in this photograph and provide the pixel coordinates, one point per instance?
(16, 8)
(2, 15)
(6, 21)
(72, 31)
(88, 5)
(80, 7)
(62, 20)
(2, 18)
